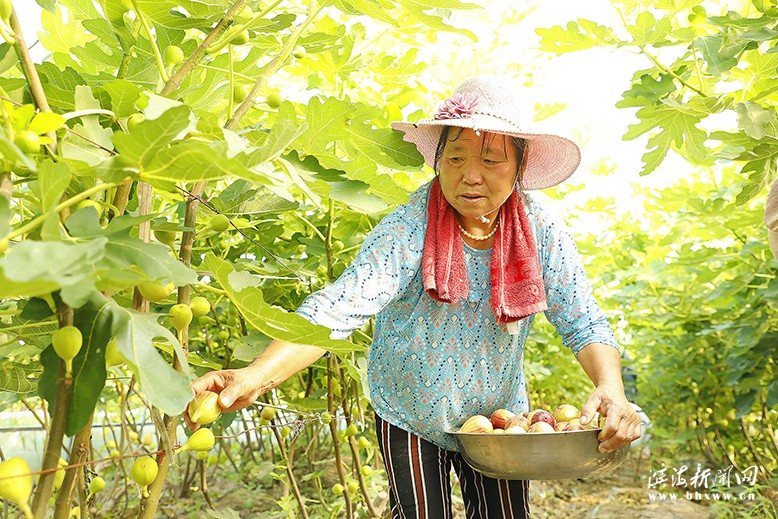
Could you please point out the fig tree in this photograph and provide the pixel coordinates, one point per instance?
(67, 343)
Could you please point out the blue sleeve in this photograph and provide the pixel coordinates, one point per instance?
(383, 268)
(572, 308)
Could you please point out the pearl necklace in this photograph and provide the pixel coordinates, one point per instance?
(479, 238)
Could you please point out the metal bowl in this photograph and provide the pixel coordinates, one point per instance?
(557, 455)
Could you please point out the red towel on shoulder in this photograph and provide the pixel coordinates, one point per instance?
(517, 283)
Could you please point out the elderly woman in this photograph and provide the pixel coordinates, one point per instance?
(454, 278)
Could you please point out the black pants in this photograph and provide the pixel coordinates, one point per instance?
(420, 484)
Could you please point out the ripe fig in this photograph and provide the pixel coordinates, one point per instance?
(477, 424)
(566, 412)
(520, 421)
(155, 292)
(144, 471)
(204, 408)
(500, 417)
(201, 440)
(18, 485)
(541, 427)
(180, 316)
(541, 415)
(67, 343)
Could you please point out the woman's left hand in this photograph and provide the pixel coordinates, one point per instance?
(622, 424)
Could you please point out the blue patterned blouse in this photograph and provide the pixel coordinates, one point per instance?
(431, 364)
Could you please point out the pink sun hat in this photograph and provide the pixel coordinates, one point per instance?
(497, 104)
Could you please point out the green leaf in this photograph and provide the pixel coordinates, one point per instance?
(10, 152)
(648, 30)
(432, 13)
(165, 387)
(61, 36)
(194, 161)
(14, 378)
(127, 260)
(244, 291)
(756, 120)
(270, 146)
(240, 199)
(149, 137)
(719, 59)
(27, 270)
(53, 178)
(123, 96)
(45, 122)
(676, 128)
(89, 142)
(647, 91)
(760, 170)
(96, 322)
(5, 216)
(559, 39)
(377, 9)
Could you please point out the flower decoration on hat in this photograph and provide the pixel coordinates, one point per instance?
(458, 106)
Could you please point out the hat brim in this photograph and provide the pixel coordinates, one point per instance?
(550, 159)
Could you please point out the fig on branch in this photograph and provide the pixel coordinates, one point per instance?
(67, 343)
(201, 440)
(16, 485)
(59, 475)
(241, 38)
(204, 408)
(5, 11)
(366, 470)
(166, 237)
(337, 489)
(241, 92)
(155, 292)
(200, 306)
(96, 485)
(28, 141)
(134, 120)
(299, 52)
(180, 316)
(274, 99)
(173, 56)
(219, 223)
(267, 413)
(144, 471)
(352, 430)
(90, 203)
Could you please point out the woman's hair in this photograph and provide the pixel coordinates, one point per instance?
(452, 133)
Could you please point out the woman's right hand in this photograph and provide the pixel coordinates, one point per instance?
(237, 388)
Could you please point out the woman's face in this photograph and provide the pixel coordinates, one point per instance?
(476, 177)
